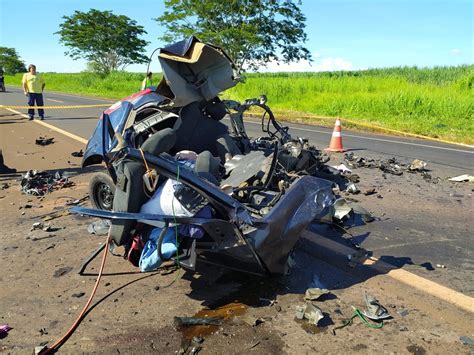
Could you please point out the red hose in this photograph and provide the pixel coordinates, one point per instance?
(71, 330)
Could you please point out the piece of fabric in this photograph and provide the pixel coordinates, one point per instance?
(194, 231)
(34, 83)
(150, 259)
(35, 100)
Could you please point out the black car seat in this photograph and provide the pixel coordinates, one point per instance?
(200, 130)
(129, 193)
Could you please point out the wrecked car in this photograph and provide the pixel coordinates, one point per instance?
(187, 183)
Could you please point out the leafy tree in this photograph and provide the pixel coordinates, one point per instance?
(252, 32)
(109, 41)
(10, 61)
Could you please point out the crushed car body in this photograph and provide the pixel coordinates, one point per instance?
(191, 185)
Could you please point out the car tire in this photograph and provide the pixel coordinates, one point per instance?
(101, 191)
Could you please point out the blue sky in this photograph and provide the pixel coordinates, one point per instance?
(342, 34)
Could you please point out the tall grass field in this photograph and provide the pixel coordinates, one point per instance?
(435, 102)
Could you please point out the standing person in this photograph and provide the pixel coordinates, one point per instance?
(145, 81)
(33, 86)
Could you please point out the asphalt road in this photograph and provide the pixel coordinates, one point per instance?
(416, 232)
(448, 159)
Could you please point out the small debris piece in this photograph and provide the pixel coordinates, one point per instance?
(5, 186)
(39, 183)
(341, 209)
(417, 165)
(342, 168)
(403, 329)
(441, 266)
(375, 310)
(44, 141)
(466, 340)
(198, 339)
(369, 192)
(78, 154)
(194, 350)
(314, 293)
(402, 312)
(352, 188)
(462, 178)
(77, 201)
(43, 331)
(62, 271)
(253, 345)
(4, 329)
(310, 312)
(78, 295)
(271, 302)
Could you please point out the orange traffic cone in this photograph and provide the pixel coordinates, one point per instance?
(336, 140)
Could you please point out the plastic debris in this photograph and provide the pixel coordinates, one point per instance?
(314, 293)
(44, 141)
(466, 340)
(4, 329)
(309, 312)
(441, 266)
(375, 310)
(342, 168)
(39, 183)
(462, 178)
(341, 209)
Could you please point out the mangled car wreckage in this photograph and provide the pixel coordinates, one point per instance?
(191, 185)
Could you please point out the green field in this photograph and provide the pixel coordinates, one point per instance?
(436, 102)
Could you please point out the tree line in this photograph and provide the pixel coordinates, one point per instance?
(252, 32)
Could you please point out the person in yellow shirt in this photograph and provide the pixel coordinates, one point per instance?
(33, 86)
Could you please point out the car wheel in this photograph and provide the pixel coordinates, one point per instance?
(101, 191)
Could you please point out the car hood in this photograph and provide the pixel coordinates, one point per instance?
(194, 71)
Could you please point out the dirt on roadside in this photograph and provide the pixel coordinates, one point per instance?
(42, 294)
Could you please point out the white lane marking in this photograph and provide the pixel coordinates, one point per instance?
(377, 139)
(54, 128)
(55, 100)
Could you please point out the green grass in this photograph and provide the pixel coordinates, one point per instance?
(436, 102)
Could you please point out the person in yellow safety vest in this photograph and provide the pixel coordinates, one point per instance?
(33, 87)
(145, 81)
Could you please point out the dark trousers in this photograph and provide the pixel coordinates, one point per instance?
(35, 100)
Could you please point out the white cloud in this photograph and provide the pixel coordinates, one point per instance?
(319, 64)
(455, 51)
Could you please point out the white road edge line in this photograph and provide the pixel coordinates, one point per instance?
(376, 139)
(54, 128)
(55, 100)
